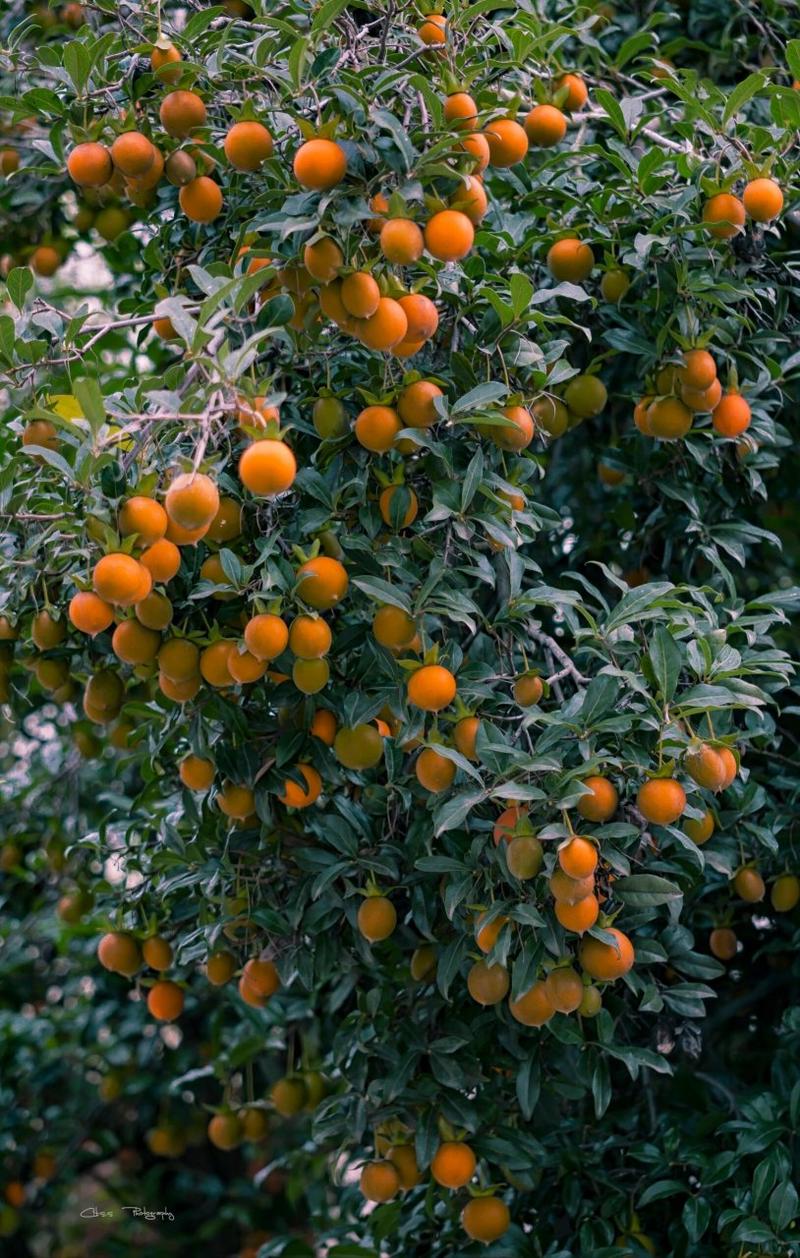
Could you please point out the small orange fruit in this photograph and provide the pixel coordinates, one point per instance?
(763, 200)
(181, 113)
(723, 215)
(431, 688)
(453, 1164)
(401, 241)
(267, 468)
(564, 989)
(570, 259)
(485, 1219)
(320, 164)
(165, 1001)
(578, 858)
(545, 126)
(296, 796)
(449, 235)
(379, 1181)
(607, 962)
(488, 984)
(507, 142)
(266, 636)
(376, 918)
(322, 582)
(534, 1006)
(731, 416)
(376, 428)
(749, 885)
(247, 145)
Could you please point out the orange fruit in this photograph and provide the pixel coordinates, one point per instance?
(310, 637)
(220, 968)
(570, 259)
(723, 215)
(157, 953)
(705, 766)
(515, 435)
(487, 936)
(120, 579)
(392, 516)
(785, 893)
(358, 747)
(528, 689)
(577, 92)
(360, 295)
(145, 517)
(379, 1181)
(323, 726)
(90, 614)
(201, 199)
(295, 796)
(485, 1219)
(244, 668)
(180, 168)
(524, 856)
(262, 976)
(192, 500)
(46, 632)
(449, 235)
(697, 370)
(45, 260)
(227, 523)
(461, 111)
(322, 582)
(511, 821)
(323, 259)
(488, 984)
(236, 801)
(731, 767)
(416, 404)
(477, 146)
(163, 62)
(181, 113)
(311, 676)
(431, 688)
(422, 317)
(119, 953)
(376, 428)
(700, 831)
(578, 917)
(393, 627)
(534, 1006)
(507, 142)
(266, 636)
(614, 285)
(247, 145)
(40, 432)
(196, 773)
(376, 918)
(453, 1164)
(661, 801)
(179, 659)
(320, 164)
(214, 663)
(702, 399)
(578, 858)
(551, 416)
(763, 200)
(668, 419)
(225, 1131)
(723, 943)
(161, 560)
(606, 962)
(267, 468)
(404, 1160)
(749, 885)
(132, 153)
(134, 644)
(731, 416)
(401, 241)
(165, 1001)
(433, 771)
(545, 126)
(564, 989)
(433, 30)
(386, 328)
(90, 165)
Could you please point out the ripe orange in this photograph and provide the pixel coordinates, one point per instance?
(545, 126)
(511, 821)
(668, 419)
(40, 432)
(731, 767)
(214, 663)
(723, 215)
(225, 1131)
(179, 691)
(244, 668)
(697, 371)
(507, 142)
(119, 953)
(310, 637)
(422, 317)
(165, 1001)
(201, 200)
(121, 579)
(465, 734)
(360, 295)
(164, 63)
(449, 235)
(578, 858)
(401, 517)
(723, 943)
(461, 111)
(404, 1160)
(196, 773)
(433, 30)
(487, 936)
(785, 893)
(376, 918)
(401, 241)
(376, 428)
(416, 404)
(534, 1006)
(570, 259)
(386, 328)
(247, 145)
(220, 968)
(320, 164)
(749, 885)
(45, 260)
(323, 726)
(267, 468)
(434, 772)
(132, 153)
(157, 953)
(90, 614)
(577, 92)
(731, 416)
(528, 689)
(379, 1181)
(453, 1164)
(323, 259)
(90, 165)
(145, 517)
(564, 989)
(606, 962)
(236, 801)
(393, 627)
(322, 583)
(431, 688)
(262, 977)
(179, 659)
(661, 801)
(46, 632)
(181, 113)
(700, 400)
(515, 435)
(578, 917)
(601, 803)
(295, 796)
(488, 984)
(700, 831)
(134, 644)
(227, 523)
(477, 146)
(192, 501)
(485, 1219)
(763, 200)
(705, 766)
(266, 636)
(550, 415)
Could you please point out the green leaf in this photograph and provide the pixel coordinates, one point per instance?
(528, 1086)
(783, 1205)
(745, 91)
(479, 397)
(793, 57)
(88, 393)
(665, 658)
(19, 283)
(77, 63)
(643, 891)
(615, 114)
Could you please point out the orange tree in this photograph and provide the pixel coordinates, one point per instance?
(399, 522)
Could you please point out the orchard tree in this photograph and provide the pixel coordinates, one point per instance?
(399, 529)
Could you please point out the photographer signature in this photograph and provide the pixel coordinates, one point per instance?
(138, 1212)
